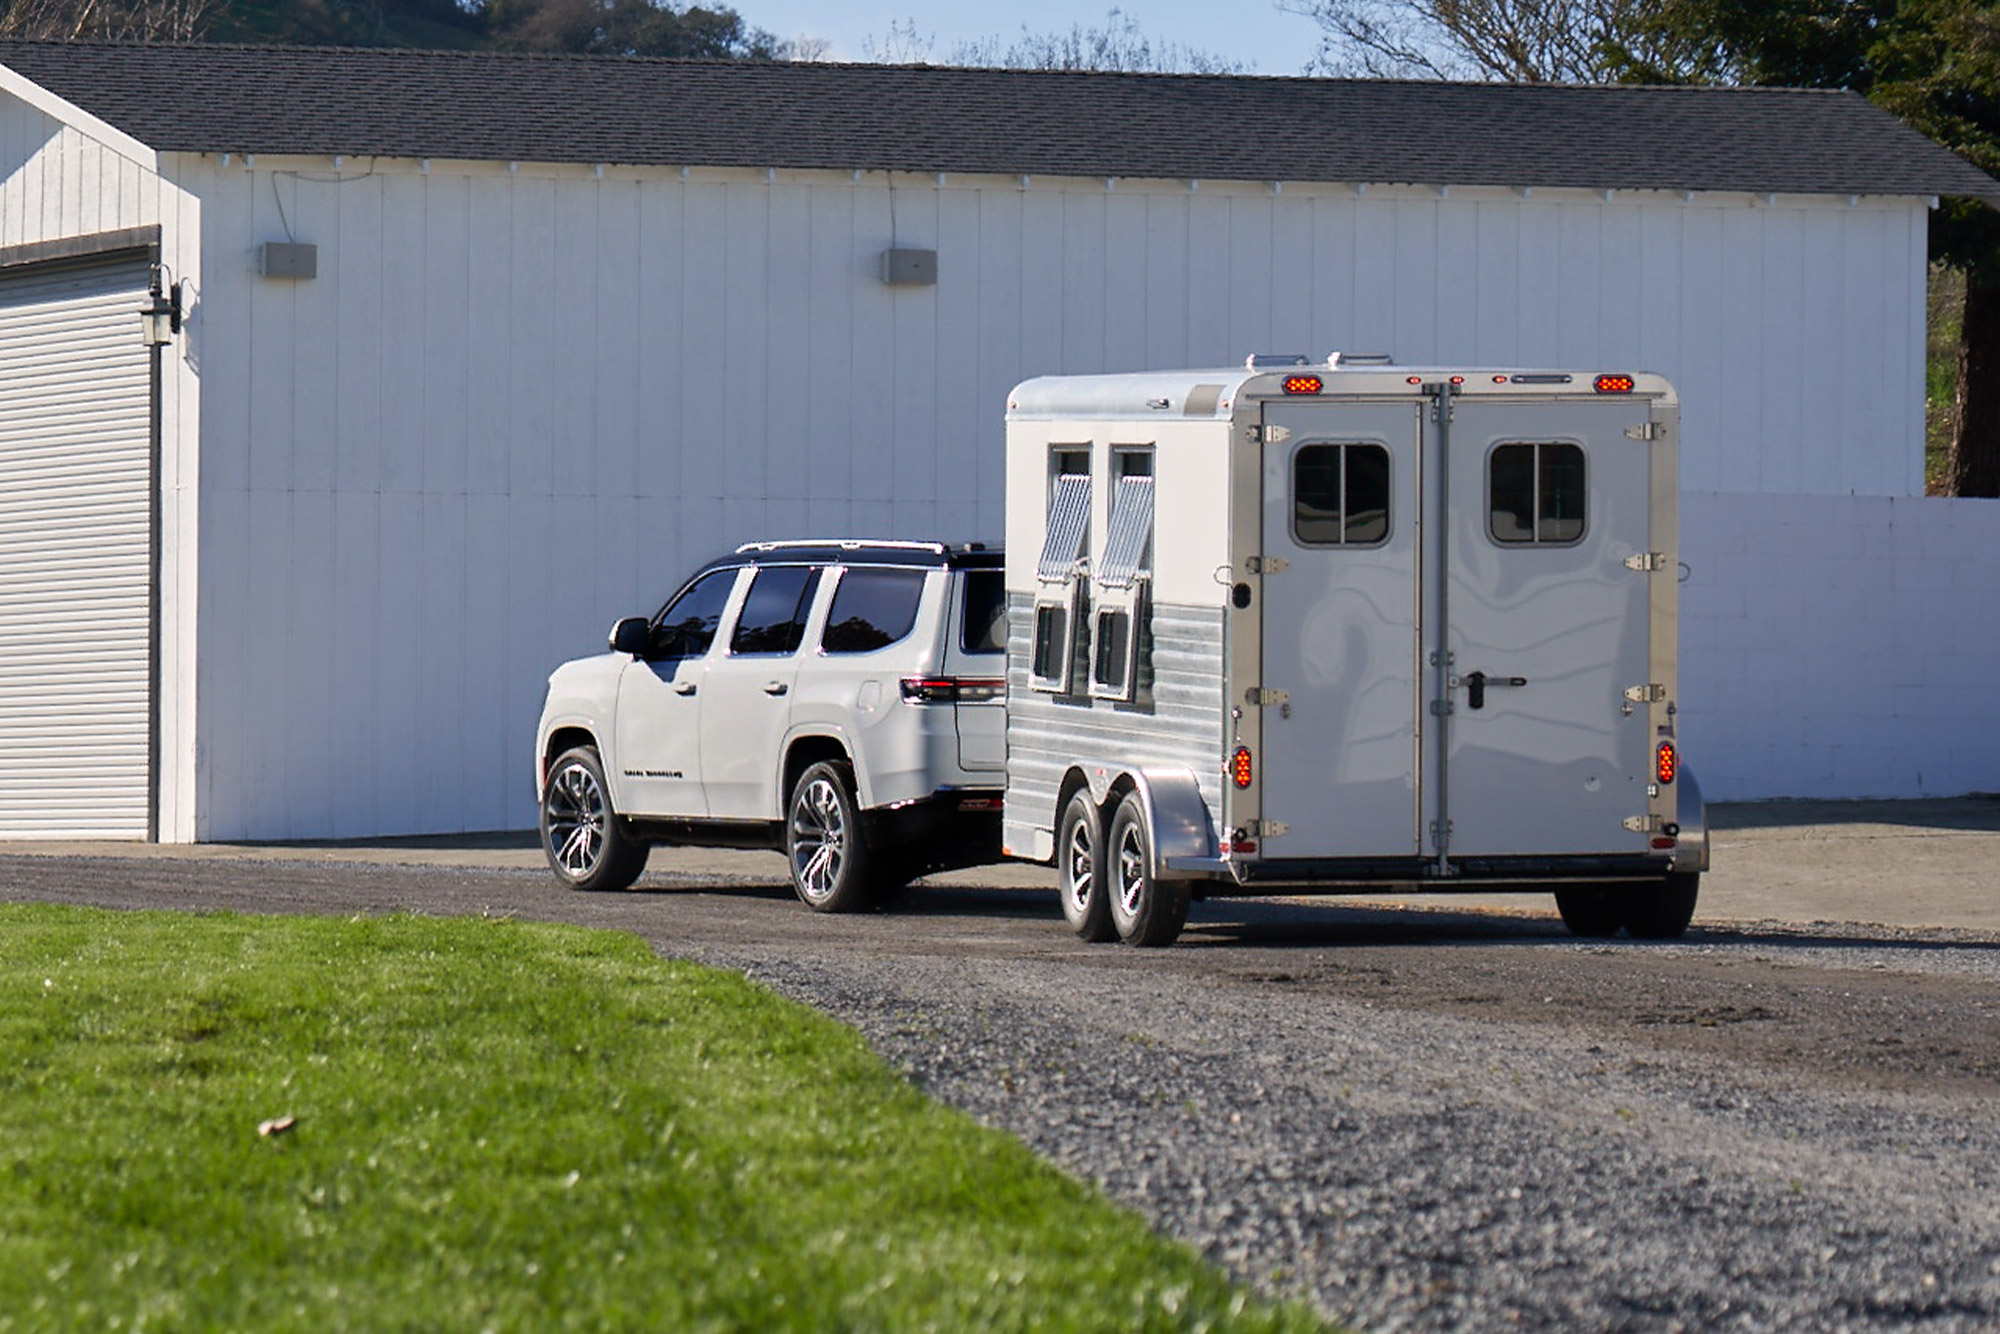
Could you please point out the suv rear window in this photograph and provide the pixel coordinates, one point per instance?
(984, 629)
(872, 608)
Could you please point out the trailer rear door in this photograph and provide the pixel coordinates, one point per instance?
(1546, 626)
(1340, 764)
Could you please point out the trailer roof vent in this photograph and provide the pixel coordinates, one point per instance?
(1338, 359)
(1264, 361)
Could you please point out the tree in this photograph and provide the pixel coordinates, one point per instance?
(1120, 46)
(105, 20)
(625, 28)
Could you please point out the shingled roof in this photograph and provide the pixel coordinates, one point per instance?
(362, 102)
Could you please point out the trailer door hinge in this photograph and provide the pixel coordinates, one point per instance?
(1270, 433)
(1264, 695)
(1651, 693)
(1269, 828)
(1643, 431)
(1642, 824)
(1267, 564)
(1646, 560)
(1441, 707)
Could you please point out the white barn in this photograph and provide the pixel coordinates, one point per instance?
(473, 354)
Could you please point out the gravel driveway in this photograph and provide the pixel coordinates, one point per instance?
(1422, 1118)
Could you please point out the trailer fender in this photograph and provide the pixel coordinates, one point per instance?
(1176, 817)
(1691, 813)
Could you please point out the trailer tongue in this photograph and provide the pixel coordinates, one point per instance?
(1326, 627)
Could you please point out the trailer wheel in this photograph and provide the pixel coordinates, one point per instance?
(1086, 901)
(1663, 912)
(1146, 911)
(1593, 913)
(582, 836)
(829, 856)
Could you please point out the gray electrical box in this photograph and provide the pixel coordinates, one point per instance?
(288, 259)
(909, 268)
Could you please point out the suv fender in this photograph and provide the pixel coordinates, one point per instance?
(823, 739)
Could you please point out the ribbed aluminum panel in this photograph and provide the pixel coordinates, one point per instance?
(1131, 526)
(75, 561)
(1069, 521)
(1179, 721)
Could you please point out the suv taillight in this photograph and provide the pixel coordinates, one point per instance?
(952, 689)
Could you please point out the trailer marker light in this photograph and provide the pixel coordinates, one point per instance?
(1240, 846)
(1667, 763)
(1615, 384)
(1303, 384)
(1499, 379)
(1458, 379)
(1414, 379)
(1240, 770)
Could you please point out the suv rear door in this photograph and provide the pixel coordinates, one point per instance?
(748, 703)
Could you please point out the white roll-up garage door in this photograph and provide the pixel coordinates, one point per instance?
(75, 552)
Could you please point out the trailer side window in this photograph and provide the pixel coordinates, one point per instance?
(1123, 575)
(1058, 569)
(1535, 494)
(1340, 495)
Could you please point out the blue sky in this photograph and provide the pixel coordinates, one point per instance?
(1253, 32)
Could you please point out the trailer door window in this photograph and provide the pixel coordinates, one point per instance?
(1058, 570)
(1122, 576)
(1340, 495)
(1535, 494)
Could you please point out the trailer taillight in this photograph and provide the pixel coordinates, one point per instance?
(1615, 384)
(1303, 384)
(1666, 762)
(1240, 769)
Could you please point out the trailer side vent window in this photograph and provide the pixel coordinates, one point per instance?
(1340, 495)
(1058, 576)
(1535, 494)
(1122, 574)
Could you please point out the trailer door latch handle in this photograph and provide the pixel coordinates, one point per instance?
(1476, 683)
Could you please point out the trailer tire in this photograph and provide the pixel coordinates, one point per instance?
(1595, 914)
(582, 835)
(1080, 870)
(1663, 912)
(826, 848)
(1147, 911)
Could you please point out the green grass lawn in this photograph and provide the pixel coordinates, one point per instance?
(508, 1126)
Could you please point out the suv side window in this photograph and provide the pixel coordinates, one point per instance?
(872, 608)
(687, 626)
(773, 619)
(985, 625)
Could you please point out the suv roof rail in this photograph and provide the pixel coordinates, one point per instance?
(845, 544)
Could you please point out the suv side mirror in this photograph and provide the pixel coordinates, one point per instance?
(632, 635)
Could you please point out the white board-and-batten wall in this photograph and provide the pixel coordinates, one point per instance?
(520, 400)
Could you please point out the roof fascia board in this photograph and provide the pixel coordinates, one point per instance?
(27, 90)
(356, 166)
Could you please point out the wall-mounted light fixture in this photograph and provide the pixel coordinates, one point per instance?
(160, 317)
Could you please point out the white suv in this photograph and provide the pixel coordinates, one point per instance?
(842, 701)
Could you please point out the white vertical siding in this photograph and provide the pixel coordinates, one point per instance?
(513, 406)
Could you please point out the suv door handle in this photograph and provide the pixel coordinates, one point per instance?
(683, 687)
(775, 687)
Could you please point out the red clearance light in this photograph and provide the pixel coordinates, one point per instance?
(1458, 379)
(1240, 769)
(1499, 379)
(1414, 379)
(1615, 384)
(1240, 846)
(1663, 843)
(1303, 384)
(1666, 763)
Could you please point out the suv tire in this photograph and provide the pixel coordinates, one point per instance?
(1086, 902)
(825, 847)
(582, 835)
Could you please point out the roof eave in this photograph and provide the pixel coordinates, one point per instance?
(33, 94)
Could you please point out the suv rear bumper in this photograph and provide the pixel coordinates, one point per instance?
(952, 828)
